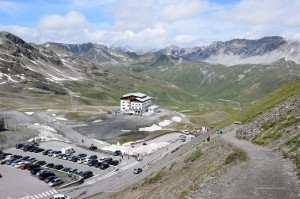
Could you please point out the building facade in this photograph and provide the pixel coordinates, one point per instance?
(135, 103)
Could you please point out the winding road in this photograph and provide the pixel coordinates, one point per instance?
(265, 175)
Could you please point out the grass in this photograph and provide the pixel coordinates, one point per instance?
(250, 111)
(297, 164)
(236, 155)
(93, 196)
(172, 165)
(196, 154)
(184, 192)
(151, 179)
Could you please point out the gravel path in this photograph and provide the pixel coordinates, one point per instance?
(265, 175)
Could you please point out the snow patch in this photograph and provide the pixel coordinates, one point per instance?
(29, 113)
(61, 118)
(96, 121)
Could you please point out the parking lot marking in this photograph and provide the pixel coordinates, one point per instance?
(36, 197)
(46, 192)
(40, 195)
(51, 192)
(96, 175)
(54, 190)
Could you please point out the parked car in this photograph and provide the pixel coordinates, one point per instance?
(56, 154)
(182, 140)
(81, 155)
(35, 170)
(19, 164)
(50, 165)
(80, 160)
(104, 166)
(66, 169)
(33, 166)
(25, 166)
(117, 152)
(32, 160)
(137, 170)
(92, 148)
(55, 182)
(182, 136)
(19, 146)
(97, 164)
(93, 157)
(43, 176)
(92, 163)
(50, 178)
(87, 161)
(14, 162)
(114, 162)
(108, 160)
(41, 171)
(58, 167)
(86, 174)
(60, 156)
(60, 196)
(74, 159)
(65, 157)
(26, 158)
(46, 152)
(38, 150)
(41, 162)
(72, 170)
(72, 156)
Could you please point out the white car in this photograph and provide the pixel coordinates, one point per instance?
(55, 182)
(80, 160)
(60, 196)
(102, 159)
(19, 164)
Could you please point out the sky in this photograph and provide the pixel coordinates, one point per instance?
(149, 24)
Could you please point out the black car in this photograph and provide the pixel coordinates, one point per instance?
(31, 160)
(92, 163)
(74, 158)
(31, 167)
(35, 170)
(58, 167)
(41, 162)
(37, 150)
(50, 178)
(26, 158)
(66, 169)
(50, 165)
(47, 151)
(104, 166)
(86, 174)
(81, 155)
(19, 146)
(97, 164)
(14, 157)
(93, 157)
(117, 152)
(108, 160)
(137, 170)
(28, 147)
(71, 170)
(92, 148)
(43, 176)
(114, 162)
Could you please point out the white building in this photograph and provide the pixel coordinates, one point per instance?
(135, 103)
(153, 109)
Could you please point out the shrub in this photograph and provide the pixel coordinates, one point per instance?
(196, 154)
(235, 155)
(184, 192)
(172, 165)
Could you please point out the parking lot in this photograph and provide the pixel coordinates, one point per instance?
(29, 186)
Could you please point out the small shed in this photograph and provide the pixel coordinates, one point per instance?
(153, 109)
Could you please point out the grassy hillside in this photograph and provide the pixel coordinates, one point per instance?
(240, 83)
(250, 111)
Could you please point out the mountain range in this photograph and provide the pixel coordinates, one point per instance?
(240, 70)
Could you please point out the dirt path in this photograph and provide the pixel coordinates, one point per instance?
(265, 175)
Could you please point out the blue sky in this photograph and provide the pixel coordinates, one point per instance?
(149, 23)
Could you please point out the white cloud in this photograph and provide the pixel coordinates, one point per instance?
(183, 10)
(260, 12)
(8, 7)
(185, 39)
(26, 33)
(72, 20)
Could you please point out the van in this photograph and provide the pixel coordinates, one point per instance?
(60, 196)
(67, 150)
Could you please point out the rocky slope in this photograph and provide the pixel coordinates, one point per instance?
(242, 51)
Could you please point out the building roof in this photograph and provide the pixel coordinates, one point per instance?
(140, 95)
(143, 99)
(153, 107)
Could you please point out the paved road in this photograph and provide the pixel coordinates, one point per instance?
(71, 134)
(264, 175)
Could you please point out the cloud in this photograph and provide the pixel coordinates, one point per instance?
(8, 7)
(183, 10)
(259, 12)
(72, 20)
(185, 39)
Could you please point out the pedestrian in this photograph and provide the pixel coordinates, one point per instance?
(122, 156)
(208, 139)
(82, 141)
(120, 160)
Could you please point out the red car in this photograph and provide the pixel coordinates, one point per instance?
(24, 166)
